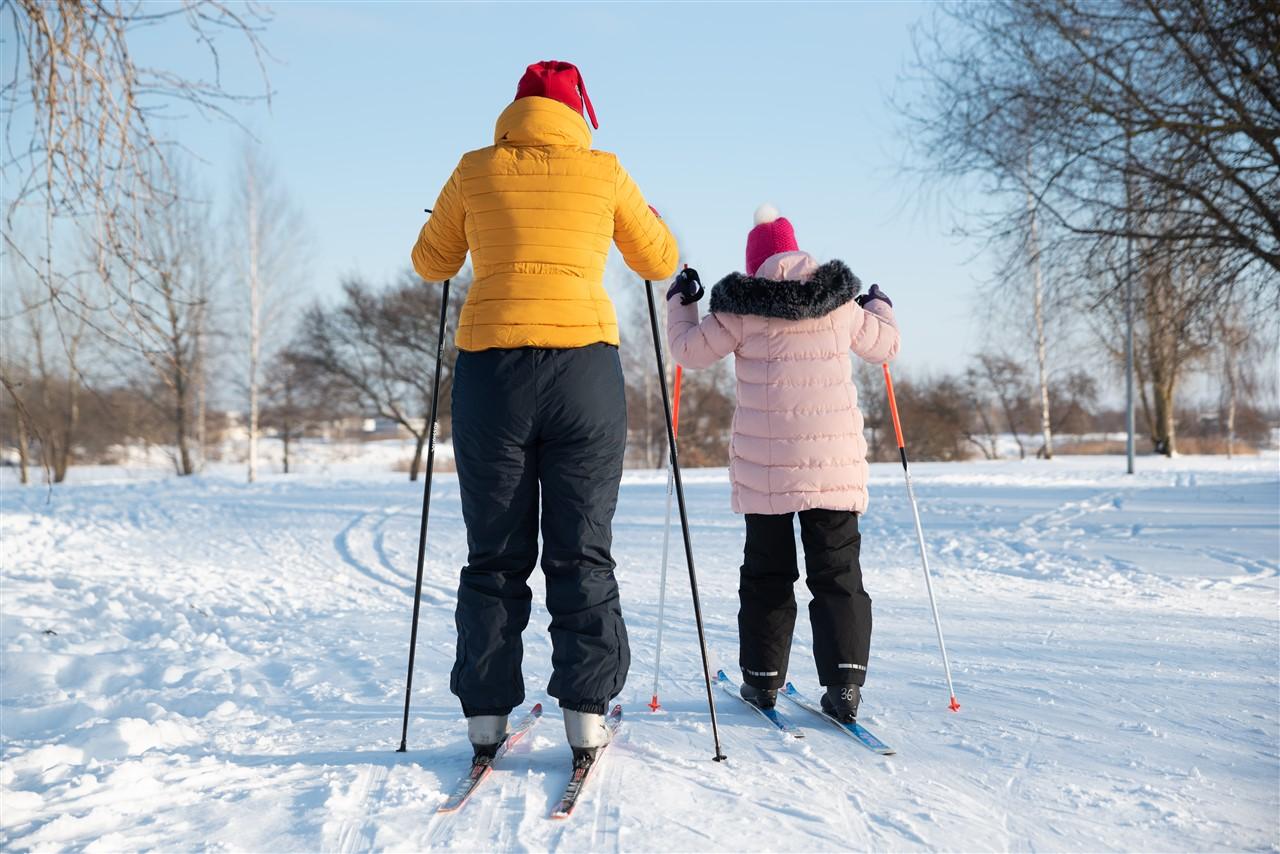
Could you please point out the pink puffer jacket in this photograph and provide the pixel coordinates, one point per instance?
(797, 432)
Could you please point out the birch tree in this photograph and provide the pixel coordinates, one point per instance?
(267, 239)
(1038, 311)
(170, 278)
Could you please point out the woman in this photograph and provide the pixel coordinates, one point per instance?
(538, 398)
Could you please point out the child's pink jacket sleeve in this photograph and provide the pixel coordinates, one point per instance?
(873, 332)
(700, 345)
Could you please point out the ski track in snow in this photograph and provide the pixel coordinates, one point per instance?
(206, 664)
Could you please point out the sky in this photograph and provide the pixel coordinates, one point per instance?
(714, 108)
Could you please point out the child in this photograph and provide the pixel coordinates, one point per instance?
(797, 448)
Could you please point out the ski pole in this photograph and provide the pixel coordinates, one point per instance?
(654, 705)
(684, 516)
(915, 511)
(426, 508)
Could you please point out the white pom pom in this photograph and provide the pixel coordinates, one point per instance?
(766, 213)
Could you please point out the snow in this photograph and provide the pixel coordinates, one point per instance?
(200, 663)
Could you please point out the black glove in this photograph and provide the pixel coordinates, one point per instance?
(874, 293)
(688, 286)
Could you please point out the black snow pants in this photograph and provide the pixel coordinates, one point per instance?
(840, 611)
(529, 421)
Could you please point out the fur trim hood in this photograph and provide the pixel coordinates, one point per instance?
(832, 285)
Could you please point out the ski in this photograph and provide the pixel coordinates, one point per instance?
(583, 767)
(773, 716)
(859, 733)
(482, 765)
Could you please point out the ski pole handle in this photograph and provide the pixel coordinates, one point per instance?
(675, 407)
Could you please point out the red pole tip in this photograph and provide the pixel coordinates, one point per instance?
(653, 704)
(955, 706)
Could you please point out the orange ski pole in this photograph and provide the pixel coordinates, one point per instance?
(654, 705)
(915, 512)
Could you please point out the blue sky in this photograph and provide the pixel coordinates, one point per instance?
(714, 108)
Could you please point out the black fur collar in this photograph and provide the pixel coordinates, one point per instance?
(832, 285)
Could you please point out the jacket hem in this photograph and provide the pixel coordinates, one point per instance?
(477, 711)
(585, 707)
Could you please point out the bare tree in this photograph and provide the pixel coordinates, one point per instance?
(267, 235)
(83, 159)
(379, 347)
(1155, 124)
(1181, 98)
(200, 334)
(981, 430)
(1239, 354)
(1038, 311)
(23, 441)
(16, 418)
(47, 392)
(1009, 384)
(169, 277)
(15, 377)
(1075, 397)
(1174, 317)
(90, 149)
(253, 221)
(936, 419)
(295, 398)
(998, 382)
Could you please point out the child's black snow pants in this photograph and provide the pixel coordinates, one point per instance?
(840, 611)
(530, 423)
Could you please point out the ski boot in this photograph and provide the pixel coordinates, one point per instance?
(586, 733)
(841, 702)
(486, 732)
(761, 698)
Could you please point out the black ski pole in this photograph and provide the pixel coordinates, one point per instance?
(684, 516)
(426, 507)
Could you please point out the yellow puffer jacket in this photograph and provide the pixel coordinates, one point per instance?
(537, 210)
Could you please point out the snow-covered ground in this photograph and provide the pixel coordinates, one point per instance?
(200, 663)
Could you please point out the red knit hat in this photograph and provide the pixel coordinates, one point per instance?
(560, 81)
(771, 235)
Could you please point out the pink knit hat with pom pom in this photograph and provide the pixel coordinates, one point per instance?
(772, 234)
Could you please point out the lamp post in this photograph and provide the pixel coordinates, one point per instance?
(1128, 303)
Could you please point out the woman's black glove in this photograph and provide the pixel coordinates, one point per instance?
(688, 286)
(874, 293)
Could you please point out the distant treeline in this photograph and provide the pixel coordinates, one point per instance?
(370, 355)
